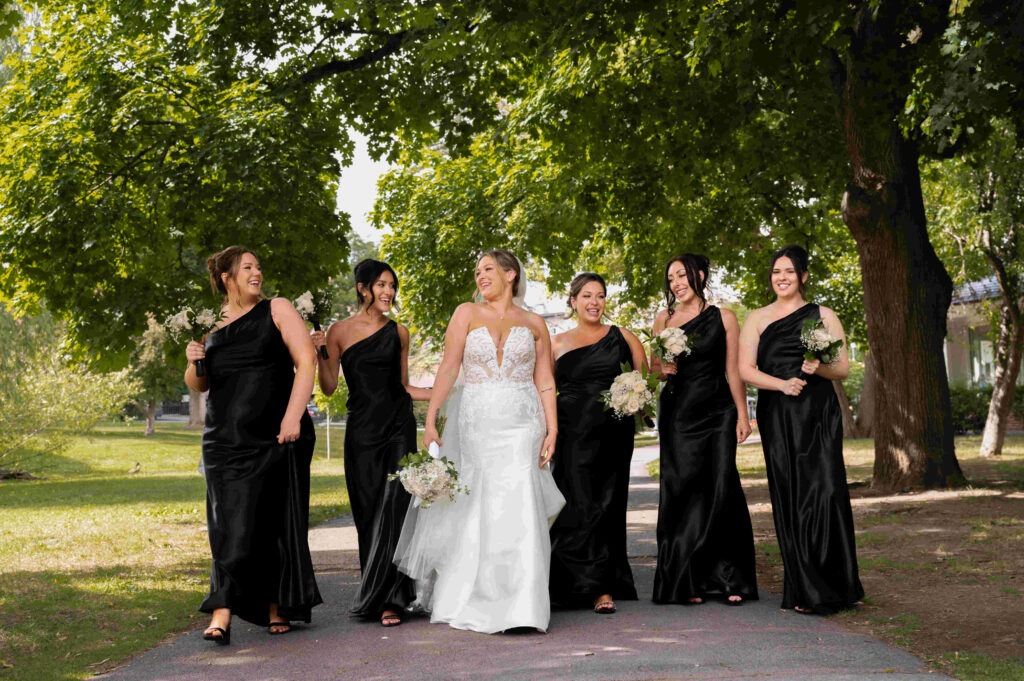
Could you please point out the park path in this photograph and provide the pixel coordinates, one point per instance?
(641, 641)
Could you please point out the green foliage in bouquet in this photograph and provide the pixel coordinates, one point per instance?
(818, 342)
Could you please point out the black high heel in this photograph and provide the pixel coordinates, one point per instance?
(224, 638)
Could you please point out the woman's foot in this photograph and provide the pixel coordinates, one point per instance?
(390, 618)
(803, 610)
(733, 599)
(278, 625)
(604, 605)
(219, 630)
(694, 600)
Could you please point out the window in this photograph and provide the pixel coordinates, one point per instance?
(981, 358)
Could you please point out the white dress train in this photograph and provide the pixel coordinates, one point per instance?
(482, 563)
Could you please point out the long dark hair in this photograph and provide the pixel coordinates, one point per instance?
(579, 282)
(798, 256)
(367, 272)
(694, 263)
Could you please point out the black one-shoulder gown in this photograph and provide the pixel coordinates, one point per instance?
(802, 438)
(705, 539)
(257, 491)
(380, 430)
(591, 469)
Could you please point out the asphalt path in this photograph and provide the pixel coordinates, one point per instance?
(640, 641)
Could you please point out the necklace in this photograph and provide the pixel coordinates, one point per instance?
(501, 315)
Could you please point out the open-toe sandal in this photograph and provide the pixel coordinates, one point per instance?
(390, 620)
(282, 628)
(604, 607)
(224, 638)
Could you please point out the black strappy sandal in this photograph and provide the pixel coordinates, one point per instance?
(223, 639)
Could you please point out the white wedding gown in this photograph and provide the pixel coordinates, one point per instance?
(482, 562)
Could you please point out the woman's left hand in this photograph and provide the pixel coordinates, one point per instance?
(547, 449)
(743, 430)
(290, 430)
(810, 366)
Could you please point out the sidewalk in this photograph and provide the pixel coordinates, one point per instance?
(641, 641)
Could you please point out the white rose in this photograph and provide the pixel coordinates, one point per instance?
(304, 303)
(206, 318)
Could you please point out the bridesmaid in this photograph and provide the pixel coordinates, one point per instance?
(705, 539)
(802, 434)
(257, 447)
(374, 355)
(592, 454)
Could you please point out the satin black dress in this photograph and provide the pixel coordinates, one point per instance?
(257, 491)
(705, 539)
(802, 438)
(591, 469)
(380, 430)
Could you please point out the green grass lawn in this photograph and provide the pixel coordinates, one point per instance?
(97, 564)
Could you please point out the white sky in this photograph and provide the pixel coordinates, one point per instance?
(357, 189)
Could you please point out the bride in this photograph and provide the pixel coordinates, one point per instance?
(482, 563)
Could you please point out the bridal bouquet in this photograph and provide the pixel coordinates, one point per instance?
(818, 342)
(429, 477)
(313, 308)
(632, 394)
(193, 324)
(670, 343)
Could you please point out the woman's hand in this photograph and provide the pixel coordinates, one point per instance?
(793, 386)
(195, 351)
(810, 366)
(319, 339)
(668, 369)
(547, 448)
(430, 435)
(290, 430)
(743, 430)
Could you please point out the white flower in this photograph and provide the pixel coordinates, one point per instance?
(206, 318)
(179, 323)
(304, 304)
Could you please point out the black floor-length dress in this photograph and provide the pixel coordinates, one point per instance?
(380, 430)
(257, 491)
(705, 539)
(591, 469)
(802, 438)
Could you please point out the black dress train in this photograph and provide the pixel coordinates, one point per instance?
(257, 491)
(705, 539)
(591, 469)
(802, 438)
(380, 430)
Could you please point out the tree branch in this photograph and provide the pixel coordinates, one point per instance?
(392, 45)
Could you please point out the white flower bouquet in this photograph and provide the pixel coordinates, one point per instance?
(671, 343)
(194, 325)
(314, 307)
(428, 477)
(632, 393)
(818, 342)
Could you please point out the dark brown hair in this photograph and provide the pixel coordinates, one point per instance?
(798, 256)
(223, 262)
(505, 261)
(579, 282)
(367, 272)
(694, 263)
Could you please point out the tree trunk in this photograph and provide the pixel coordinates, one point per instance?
(866, 403)
(907, 291)
(849, 425)
(1004, 378)
(150, 417)
(196, 409)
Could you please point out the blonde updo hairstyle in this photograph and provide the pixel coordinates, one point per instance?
(508, 262)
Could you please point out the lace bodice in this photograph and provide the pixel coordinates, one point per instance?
(480, 357)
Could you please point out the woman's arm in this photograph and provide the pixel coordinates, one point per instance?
(749, 340)
(840, 368)
(448, 371)
(732, 373)
(636, 348)
(544, 379)
(419, 394)
(195, 351)
(300, 347)
(327, 370)
(663, 371)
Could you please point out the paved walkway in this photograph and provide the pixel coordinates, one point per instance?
(641, 641)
